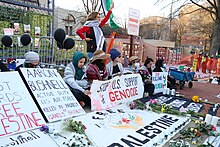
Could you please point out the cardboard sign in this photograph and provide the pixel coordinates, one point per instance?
(18, 111)
(33, 138)
(107, 94)
(131, 127)
(133, 21)
(52, 94)
(159, 79)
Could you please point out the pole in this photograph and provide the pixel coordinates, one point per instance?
(131, 45)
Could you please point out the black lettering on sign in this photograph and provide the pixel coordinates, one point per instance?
(156, 124)
(146, 134)
(155, 130)
(170, 118)
(35, 73)
(115, 145)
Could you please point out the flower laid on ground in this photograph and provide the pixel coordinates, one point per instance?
(201, 129)
(195, 98)
(44, 129)
(78, 136)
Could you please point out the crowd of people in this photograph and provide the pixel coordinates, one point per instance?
(83, 69)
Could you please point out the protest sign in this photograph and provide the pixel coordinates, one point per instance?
(51, 93)
(159, 79)
(32, 138)
(131, 127)
(107, 94)
(18, 111)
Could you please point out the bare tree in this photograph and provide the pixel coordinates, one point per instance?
(91, 5)
(213, 8)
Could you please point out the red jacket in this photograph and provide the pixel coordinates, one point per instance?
(89, 33)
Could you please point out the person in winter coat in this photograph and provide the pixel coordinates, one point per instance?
(74, 77)
(96, 69)
(93, 31)
(114, 67)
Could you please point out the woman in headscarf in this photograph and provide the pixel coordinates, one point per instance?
(93, 32)
(74, 77)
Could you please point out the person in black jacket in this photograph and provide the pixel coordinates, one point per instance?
(3, 67)
(160, 66)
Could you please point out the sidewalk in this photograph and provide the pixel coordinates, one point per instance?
(204, 90)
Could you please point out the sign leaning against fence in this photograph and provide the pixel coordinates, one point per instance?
(51, 93)
(18, 112)
(107, 94)
(159, 79)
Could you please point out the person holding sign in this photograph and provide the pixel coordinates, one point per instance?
(74, 77)
(31, 60)
(146, 74)
(114, 67)
(94, 34)
(96, 69)
(160, 66)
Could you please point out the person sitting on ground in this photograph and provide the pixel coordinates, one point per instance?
(160, 66)
(134, 64)
(146, 74)
(96, 69)
(3, 67)
(74, 77)
(114, 67)
(31, 61)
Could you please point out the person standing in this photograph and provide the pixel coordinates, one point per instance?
(93, 32)
(74, 78)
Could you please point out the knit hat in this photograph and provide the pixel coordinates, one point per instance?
(114, 53)
(31, 57)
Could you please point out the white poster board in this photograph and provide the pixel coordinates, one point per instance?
(33, 138)
(131, 128)
(18, 112)
(159, 79)
(52, 94)
(107, 94)
(133, 22)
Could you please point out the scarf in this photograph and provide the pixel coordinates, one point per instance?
(98, 33)
(78, 71)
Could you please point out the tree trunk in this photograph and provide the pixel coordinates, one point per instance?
(216, 33)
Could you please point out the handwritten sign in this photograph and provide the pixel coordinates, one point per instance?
(32, 138)
(18, 111)
(107, 94)
(159, 79)
(52, 94)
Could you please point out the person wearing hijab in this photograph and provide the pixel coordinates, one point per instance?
(94, 36)
(74, 77)
(160, 66)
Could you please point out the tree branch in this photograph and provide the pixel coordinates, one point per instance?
(203, 7)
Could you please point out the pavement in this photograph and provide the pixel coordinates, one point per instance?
(204, 90)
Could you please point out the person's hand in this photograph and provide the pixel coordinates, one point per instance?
(87, 92)
(88, 39)
(112, 6)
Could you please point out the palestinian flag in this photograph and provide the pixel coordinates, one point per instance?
(106, 4)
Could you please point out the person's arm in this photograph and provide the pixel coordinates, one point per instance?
(80, 31)
(105, 19)
(69, 78)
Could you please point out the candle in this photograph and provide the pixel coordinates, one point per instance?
(164, 91)
(168, 91)
(214, 121)
(208, 118)
(173, 92)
